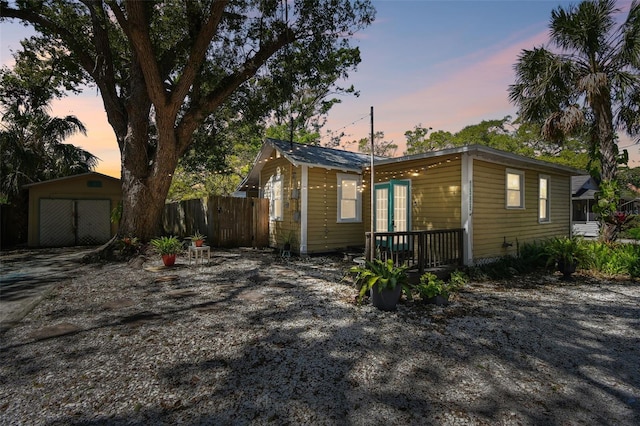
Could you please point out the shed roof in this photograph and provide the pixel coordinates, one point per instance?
(72, 177)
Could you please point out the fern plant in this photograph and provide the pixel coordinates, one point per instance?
(385, 274)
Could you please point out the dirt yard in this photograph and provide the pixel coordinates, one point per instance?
(255, 339)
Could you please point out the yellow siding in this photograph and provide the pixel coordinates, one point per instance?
(289, 226)
(72, 188)
(435, 191)
(436, 204)
(324, 233)
(493, 223)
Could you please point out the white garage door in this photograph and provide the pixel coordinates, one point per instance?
(94, 223)
(57, 223)
(74, 222)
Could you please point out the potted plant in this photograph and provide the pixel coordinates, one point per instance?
(567, 254)
(168, 248)
(288, 241)
(197, 239)
(383, 280)
(432, 289)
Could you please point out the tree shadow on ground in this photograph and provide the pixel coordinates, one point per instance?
(300, 354)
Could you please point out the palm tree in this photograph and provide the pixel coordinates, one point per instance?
(589, 84)
(32, 149)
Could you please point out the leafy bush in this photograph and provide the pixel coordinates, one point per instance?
(128, 247)
(633, 233)
(385, 274)
(614, 259)
(609, 259)
(431, 286)
(567, 250)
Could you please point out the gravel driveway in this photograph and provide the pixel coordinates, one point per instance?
(253, 339)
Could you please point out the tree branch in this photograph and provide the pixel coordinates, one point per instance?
(105, 75)
(32, 16)
(194, 116)
(198, 53)
(137, 30)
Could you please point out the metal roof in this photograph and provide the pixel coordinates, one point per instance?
(318, 156)
(583, 187)
(307, 155)
(492, 155)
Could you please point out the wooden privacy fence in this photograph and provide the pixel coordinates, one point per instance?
(420, 250)
(226, 221)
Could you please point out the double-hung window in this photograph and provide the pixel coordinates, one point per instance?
(544, 211)
(274, 189)
(349, 198)
(515, 189)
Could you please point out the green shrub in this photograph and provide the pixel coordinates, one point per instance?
(431, 286)
(385, 274)
(166, 245)
(633, 233)
(614, 259)
(568, 250)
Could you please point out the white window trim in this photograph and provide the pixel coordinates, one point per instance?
(340, 178)
(506, 189)
(273, 214)
(547, 219)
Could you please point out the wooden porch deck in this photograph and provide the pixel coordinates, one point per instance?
(420, 250)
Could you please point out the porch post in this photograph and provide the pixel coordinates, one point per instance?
(304, 201)
(466, 211)
(373, 193)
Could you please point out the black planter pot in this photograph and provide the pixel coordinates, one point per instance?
(567, 268)
(437, 300)
(386, 300)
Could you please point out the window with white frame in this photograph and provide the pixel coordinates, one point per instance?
(544, 211)
(349, 198)
(515, 189)
(274, 189)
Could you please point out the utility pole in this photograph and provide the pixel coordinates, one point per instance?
(372, 242)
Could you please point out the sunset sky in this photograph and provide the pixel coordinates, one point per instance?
(441, 64)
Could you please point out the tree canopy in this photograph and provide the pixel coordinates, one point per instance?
(163, 68)
(31, 141)
(587, 82)
(504, 134)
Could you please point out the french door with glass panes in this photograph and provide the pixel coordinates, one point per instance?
(392, 208)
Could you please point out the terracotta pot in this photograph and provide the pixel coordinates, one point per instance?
(169, 259)
(199, 243)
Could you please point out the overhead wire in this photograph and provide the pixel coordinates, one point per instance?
(333, 132)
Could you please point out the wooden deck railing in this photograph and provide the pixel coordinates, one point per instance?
(420, 250)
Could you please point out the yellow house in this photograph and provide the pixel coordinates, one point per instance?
(321, 197)
(73, 210)
(500, 200)
(315, 195)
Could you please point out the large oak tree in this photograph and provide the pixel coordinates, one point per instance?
(163, 67)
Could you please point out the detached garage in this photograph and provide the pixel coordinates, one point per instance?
(74, 210)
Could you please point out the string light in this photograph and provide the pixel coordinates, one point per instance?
(330, 135)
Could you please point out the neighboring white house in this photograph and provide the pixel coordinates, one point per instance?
(584, 220)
